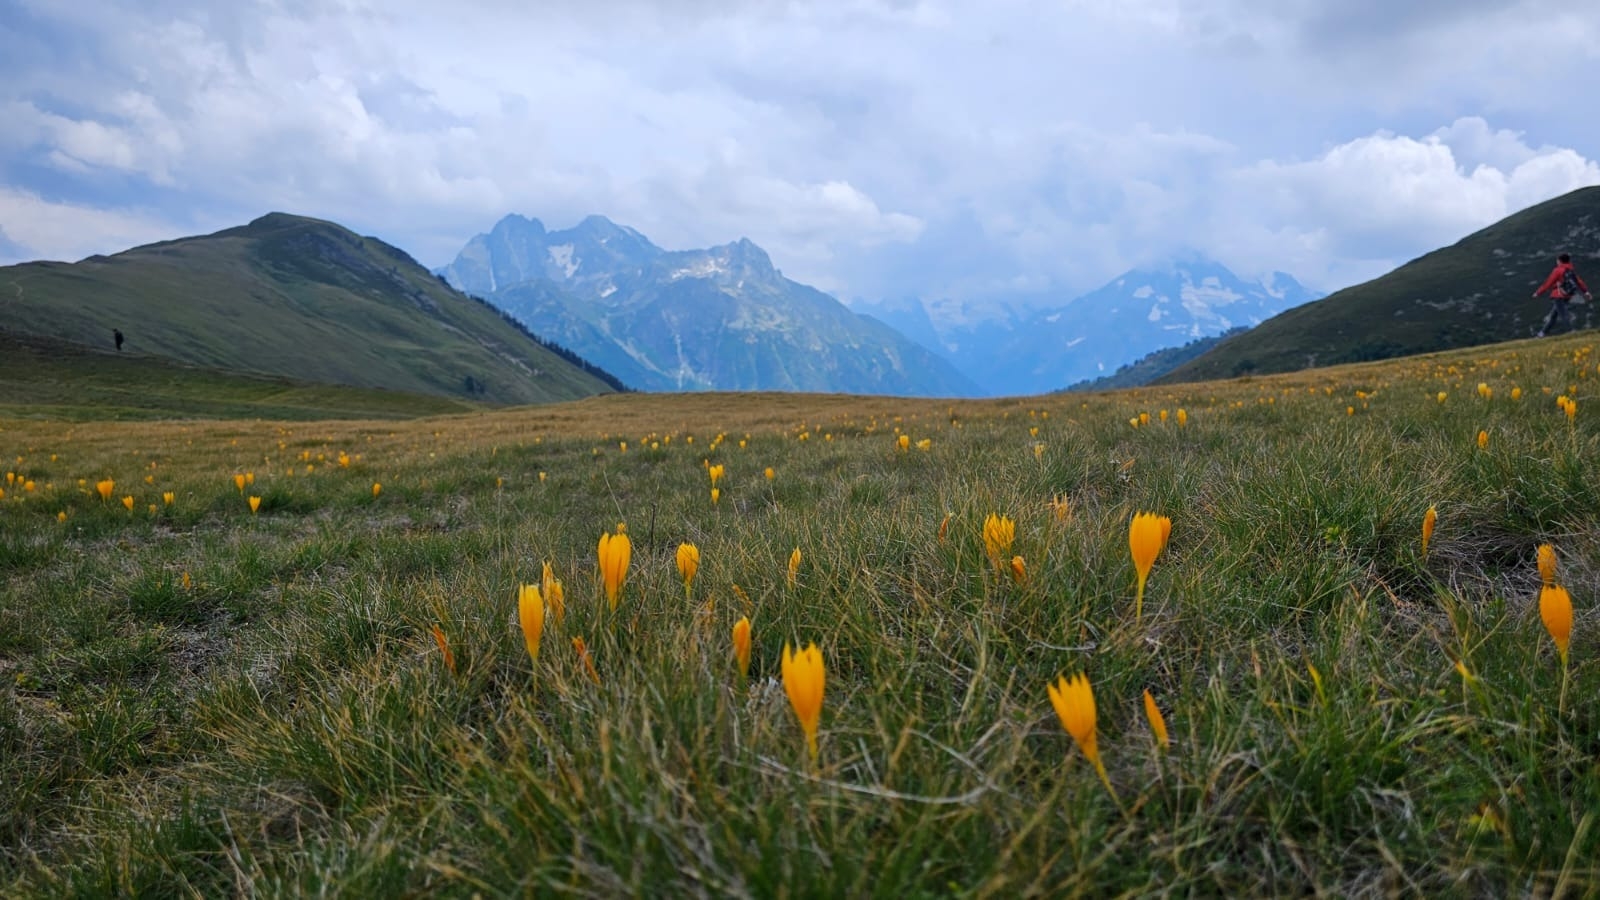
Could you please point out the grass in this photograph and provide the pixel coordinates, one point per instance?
(198, 700)
(47, 378)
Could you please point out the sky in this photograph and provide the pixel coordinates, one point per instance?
(877, 149)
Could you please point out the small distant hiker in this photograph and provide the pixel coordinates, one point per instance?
(116, 335)
(1563, 284)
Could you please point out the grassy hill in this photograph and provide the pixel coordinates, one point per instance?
(294, 297)
(1151, 366)
(1473, 292)
(48, 378)
(330, 694)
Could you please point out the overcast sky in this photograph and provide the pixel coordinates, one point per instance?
(876, 148)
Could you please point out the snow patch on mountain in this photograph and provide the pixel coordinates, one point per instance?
(705, 267)
(563, 259)
(1209, 294)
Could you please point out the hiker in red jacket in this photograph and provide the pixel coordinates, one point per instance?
(1563, 284)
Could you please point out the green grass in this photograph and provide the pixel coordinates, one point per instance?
(198, 700)
(47, 378)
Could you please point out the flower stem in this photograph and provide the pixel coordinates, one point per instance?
(1100, 769)
(1566, 675)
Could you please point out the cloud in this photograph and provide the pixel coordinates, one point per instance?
(874, 147)
(34, 228)
(1374, 202)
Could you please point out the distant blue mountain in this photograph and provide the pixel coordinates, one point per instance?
(1014, 351)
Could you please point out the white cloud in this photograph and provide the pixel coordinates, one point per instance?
(880, 147)
(1372, 203)
(68, 232)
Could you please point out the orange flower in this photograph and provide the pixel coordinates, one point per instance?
(1158, 723)
(1429, 518)
(741, 646)
(794, 566)
(550, 589)
(1555, 608)
(1019, 571)
(105, 488)
(588, 662)
(376, 490)
(615, 551)
(444, 649)
(1547, 564)
(1074, 702)
(238, 482)
(530, 613)
(1061, 508)
(688, 564)
(128, 502)
(1147, 534)
(998, 534)
(804, 679)
(255, 505)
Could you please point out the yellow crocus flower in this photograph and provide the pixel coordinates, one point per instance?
(1158, 722)
(741, 646)
(550, 589)
(1547, 564)
(1074, 702)
(998, 534)
(1147, 534)
(688, 564)
(804, 680)
(530, 614)
(1555, 608)
(615, 551)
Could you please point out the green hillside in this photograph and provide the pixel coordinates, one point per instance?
(295, 297)
(49, 378)
(1151, 366)
(1476, 291)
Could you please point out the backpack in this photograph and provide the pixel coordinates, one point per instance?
(1569, 282)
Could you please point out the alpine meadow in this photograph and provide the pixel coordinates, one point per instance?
(1326, 632)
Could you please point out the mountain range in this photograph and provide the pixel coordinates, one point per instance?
(722, 318)
(303, 298)
(311, 301)
(1048, 346)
